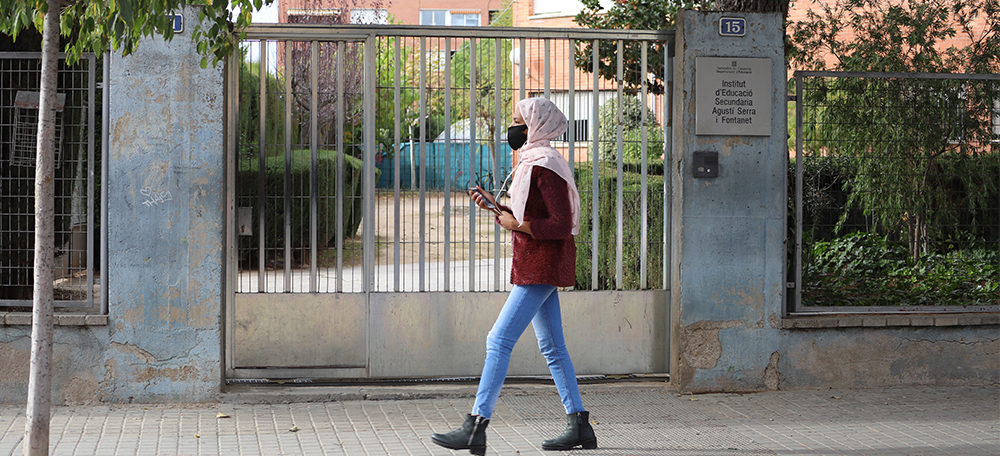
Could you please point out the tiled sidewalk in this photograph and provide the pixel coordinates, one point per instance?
(630, 419)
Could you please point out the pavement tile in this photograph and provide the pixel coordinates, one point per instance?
(630, 419)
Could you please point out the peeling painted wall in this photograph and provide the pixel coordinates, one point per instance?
(166, 187)
(165, 223)
(728, 255)
(728, 231)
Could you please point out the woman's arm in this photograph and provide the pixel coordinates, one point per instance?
(507, 220)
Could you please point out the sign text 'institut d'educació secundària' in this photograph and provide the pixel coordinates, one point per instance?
(732, 96)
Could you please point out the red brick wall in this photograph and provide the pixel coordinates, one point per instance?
(798, 10)
(405, 12)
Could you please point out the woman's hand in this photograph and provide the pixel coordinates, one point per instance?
(507, 220)
(482, 198)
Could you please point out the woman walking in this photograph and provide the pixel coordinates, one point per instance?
(543, 217)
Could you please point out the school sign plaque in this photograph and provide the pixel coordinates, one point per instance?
(732, 96)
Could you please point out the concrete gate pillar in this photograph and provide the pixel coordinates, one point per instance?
(165, 223)
(728, 180)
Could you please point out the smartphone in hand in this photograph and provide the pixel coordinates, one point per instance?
(486, 201)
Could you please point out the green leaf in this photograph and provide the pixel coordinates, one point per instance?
(125, 10)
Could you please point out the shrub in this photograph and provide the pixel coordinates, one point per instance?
(630, 232)
(631, 128)
(826, 214)
(865, 269)
(274, 204)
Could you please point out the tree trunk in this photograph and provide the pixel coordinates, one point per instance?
(38, 412)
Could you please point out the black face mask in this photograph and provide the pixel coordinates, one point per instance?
(517, 135)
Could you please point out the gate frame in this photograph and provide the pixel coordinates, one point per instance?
(630, 300)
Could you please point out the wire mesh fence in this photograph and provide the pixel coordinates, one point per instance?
(896, 190)
(75, 182)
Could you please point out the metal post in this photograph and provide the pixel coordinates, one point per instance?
(547, 71)
(105, 140)
(790, 306)
(620, 164)
(571, 65)
(595, 166)
(668, 154)
(339, 173)
(498, 114)
(288, 168)
(261, 169)
(396, 169)
(447, 164)
(91, 93)
(314, 163)
(523, 54)
(473, 121)
(368, 180)
(230, 164)
(423, 161)
(644, 183)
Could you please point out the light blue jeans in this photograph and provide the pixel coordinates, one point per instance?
(538, 305)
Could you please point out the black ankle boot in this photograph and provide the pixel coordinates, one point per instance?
(471, 436)
(578, 432)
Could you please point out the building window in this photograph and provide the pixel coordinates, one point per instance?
(581, 132)
(444, 17)
(996, 121)
(433, 17)
(466, 20)
(565, 7)
(369, 16)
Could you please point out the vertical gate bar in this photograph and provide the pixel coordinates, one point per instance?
(523, 57)
(474, 128)
(470, 169)
(595, 164)
(473, 152)
(339, 173)
(447, 162)
(571, 65)
(91, 102)
(105, 133)
(230, 165)
(547, 69)
(620, 163)
(288, 168)
(396, 165)
(423, 161)
(790, 306)
(643, 186)
(262, 167)
(668, 154)
(314, 163)
(497, 147)
(368, 180)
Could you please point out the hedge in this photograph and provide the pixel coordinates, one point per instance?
(274, 189)
(631, 231)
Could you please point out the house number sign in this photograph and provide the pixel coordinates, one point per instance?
(732, 26)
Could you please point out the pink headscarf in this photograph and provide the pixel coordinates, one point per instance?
(545, 122)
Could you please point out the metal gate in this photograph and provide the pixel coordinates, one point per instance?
(353, 249)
